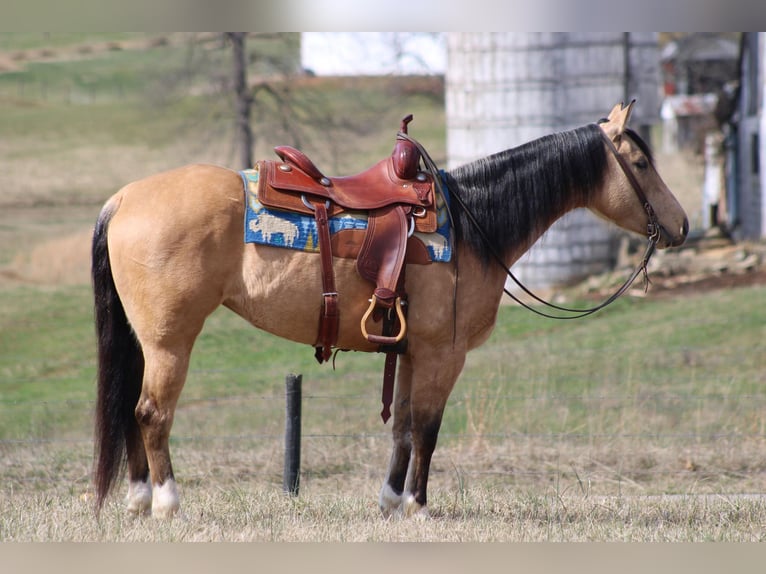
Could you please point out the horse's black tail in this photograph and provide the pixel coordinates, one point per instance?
(120, 368)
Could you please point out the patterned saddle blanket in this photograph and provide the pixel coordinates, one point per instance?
(298, 231)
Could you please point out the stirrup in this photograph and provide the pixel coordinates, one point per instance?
(380, 339)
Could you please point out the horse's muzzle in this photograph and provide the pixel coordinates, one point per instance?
(668, 239)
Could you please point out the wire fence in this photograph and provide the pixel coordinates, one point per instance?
(363, 409)
(209, 431)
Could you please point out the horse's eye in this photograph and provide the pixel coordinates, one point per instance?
(641, 164)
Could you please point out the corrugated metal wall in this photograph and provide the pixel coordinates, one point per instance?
(504, 89)
(750, 204)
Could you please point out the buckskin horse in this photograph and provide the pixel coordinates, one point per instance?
(168, 250)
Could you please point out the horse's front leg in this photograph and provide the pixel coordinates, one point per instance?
(433, 378)
(391, 494)
(423, 387)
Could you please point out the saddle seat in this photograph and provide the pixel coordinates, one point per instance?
(296, 185)
(393, 180)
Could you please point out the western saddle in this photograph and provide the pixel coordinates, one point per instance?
(398, 199)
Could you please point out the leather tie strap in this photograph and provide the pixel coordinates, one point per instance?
(391, 323)
(387, 394)
(329, 318)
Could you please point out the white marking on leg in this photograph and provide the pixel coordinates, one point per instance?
(165, 501)
(139, 498)
(389, 501)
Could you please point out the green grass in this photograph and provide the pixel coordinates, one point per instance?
(46, 361)
(679, 363)
(45, 338)
(81, 69)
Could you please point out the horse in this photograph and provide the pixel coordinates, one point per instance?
(168, 250)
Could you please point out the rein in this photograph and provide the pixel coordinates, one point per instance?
(653, 234)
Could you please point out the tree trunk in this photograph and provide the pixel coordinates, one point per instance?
(244, 133)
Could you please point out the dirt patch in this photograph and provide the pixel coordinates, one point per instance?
(712, 283)
(14, 60)
(8, 64)
(64, 261)
(706, 262)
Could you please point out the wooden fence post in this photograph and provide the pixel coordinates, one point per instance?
(292, 472)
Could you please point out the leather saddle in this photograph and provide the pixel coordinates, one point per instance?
(398, 199)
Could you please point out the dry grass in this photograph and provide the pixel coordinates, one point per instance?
(227, 500)
(480, 516)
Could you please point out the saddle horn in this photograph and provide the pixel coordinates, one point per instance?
(405, 155)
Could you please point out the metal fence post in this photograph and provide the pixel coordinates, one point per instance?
(291, 476)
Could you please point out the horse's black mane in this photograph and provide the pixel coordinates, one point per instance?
(515, 192)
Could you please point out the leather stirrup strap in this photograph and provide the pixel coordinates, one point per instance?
(381, 261)
(329, 318)
(381, 255)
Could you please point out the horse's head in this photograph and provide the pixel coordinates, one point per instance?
(634, 195)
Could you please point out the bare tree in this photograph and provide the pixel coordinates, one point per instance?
(249, 90)
(244, 99)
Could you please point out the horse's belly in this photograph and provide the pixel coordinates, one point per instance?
(281, 292)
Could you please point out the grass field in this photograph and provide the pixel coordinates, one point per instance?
(645, 422)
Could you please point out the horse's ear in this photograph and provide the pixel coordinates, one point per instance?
(618, 119)
(615, 112)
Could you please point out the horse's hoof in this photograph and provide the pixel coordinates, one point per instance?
(413, 509)
(139, 498)
(165, 502)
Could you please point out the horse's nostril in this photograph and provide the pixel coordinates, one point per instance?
(685, 228)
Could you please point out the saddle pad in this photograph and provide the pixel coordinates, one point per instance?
(298, 231)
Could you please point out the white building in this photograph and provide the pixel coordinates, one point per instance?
(373, 53)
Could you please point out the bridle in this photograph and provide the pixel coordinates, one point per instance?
(653, 228)
(653, 231)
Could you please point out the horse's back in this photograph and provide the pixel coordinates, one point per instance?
(190, 189)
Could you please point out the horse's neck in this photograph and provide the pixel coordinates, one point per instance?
(515, 253)
(480, 289)
(481, 286)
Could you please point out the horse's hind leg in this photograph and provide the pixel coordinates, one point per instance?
(139, 498)
(164, 377)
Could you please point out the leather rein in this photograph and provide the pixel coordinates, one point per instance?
(653, 230)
